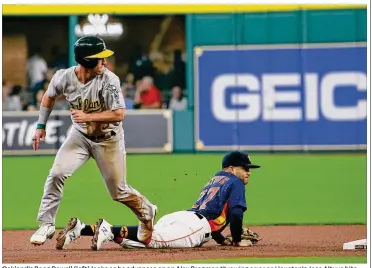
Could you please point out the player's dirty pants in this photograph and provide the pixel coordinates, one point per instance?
(110, 158)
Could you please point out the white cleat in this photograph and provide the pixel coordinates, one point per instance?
(102, 234)
(45, 231)
(71, 233)
(126, 243)
(145, 228)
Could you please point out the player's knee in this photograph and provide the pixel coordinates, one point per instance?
(57, 174)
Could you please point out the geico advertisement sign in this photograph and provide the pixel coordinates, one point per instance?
(287, 97)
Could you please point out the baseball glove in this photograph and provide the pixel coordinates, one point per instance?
(247, 234)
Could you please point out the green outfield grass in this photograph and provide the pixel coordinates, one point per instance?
(288, 189)
(297, 260)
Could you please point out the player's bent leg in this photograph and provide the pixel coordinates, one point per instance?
(70, 233)
(73, 153)
(144, 210)
(112, 164)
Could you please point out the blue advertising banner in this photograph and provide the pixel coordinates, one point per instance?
(298, 97)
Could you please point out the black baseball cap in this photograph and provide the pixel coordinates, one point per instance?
(237, 159)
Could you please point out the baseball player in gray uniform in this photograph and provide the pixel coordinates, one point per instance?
(97, 111)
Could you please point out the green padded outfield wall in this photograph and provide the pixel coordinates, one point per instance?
(312, 26)
(294, 27)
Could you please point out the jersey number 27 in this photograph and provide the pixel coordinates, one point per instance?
(208, 194)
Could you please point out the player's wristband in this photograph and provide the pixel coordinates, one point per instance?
(44, 114)
(41, 126)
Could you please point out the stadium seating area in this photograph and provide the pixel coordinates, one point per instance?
(151, 54)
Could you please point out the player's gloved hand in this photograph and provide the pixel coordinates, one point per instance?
(39, 136)
(243, 243)
(228, 242)
(248, 234)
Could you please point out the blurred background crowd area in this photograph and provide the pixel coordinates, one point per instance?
(149, 60)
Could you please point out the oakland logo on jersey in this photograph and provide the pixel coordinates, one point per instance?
(89, 106)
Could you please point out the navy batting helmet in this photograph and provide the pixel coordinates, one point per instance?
(89, 49)
(237, 159)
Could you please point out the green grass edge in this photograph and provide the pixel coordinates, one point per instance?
(290, 260)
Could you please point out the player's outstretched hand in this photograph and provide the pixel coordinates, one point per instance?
(79, 116)
(39, 136)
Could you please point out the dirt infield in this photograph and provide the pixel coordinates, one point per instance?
(278, 241)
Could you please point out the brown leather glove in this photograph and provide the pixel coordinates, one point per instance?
(247, 234)
(244, 243)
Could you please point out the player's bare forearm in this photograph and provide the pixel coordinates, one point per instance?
(48, 101)
(47, 104)
(106, 116)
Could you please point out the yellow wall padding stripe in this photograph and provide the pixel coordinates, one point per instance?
(58, 9)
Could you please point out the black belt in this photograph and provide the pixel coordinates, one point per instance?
(100, 137)
(200, 216)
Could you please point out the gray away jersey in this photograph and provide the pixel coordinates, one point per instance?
(100, 94)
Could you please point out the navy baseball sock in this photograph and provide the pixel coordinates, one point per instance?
(128, 232)
(88, 230)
